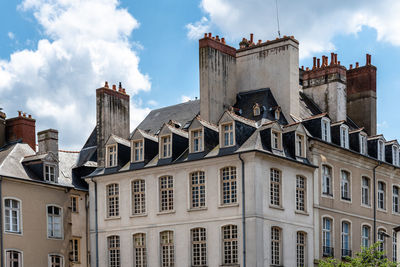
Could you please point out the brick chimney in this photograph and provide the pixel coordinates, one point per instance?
(325, 84)
(2, 128)
(48, 141)
(21, 127)
(217, 77)
(112, 114)
(361, 96)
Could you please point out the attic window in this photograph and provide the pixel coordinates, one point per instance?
(363, 144)
(325, 130)
(137, 151)
(277, 113)
(112, 155)
(50, 173)
(395, 155)
(381, 150)
(300, 145)
(276, 140)
(256, 110)
(166, 146)
(227, 134)
(197, 140)
(344, 136)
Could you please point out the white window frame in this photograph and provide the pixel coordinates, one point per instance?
(115, 197)
(276, 140)
(395, 155)
(138, 195)
(325, 232)
(382, 246)
(301, 194)
(256, 110)
(75, 250)
(111, 156)
(381, 192)
(344, 136)
(56, 255)
(394, 246)
(166, 146)
(301, 249)
(115, 249)
(326, 129)
(345, 195)
(366, 189)
(75, 201)
(324, 184)
(276, 246)
(137, 150)
(363, 144)
(365, 238)
(10, 210)
(381, 150)
(20, 257)
(345, 235)
(230, 243)
(169, 245)
(275, 189)
(227, 134)
(198, 238)
(166, 193)
(229, 186)
(197, 183)
(140, 249)
(61, 215)
(396, 199)
(47, 175)
(300, 149)
(199, 138)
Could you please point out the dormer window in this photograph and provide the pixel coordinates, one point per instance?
(381, 150)
(227, 134)
(277, 113)
(363, 144)
(256, 110)
(325, 130)
(300, 145)
(50, 173)
(395, 155)
(137, 151)
(344, 136)
(166, 146)
(112, 155)
(276, 140)
(197, 140)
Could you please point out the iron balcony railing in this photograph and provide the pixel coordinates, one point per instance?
(346, 253)
(327, 251)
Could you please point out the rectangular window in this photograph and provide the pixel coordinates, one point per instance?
(394, 247)
(198, 190)
(363, 144)
(227, 130)
(114, 251)
(346, 239)
(326, 130)
(12, 216)
(326, 180)
(166, 146)
(396, 199)
(50, 173)
(228, 185)
(199, 247)
(276, 140)
(301, 249)
(139, 243)
(112, 200)
(381, 150)
(112, 155)
(56, 261)
(230, 244)
(166, 193)
(345, 186)
(75, 245)
(54, 222)
(13, 258)
(138, 197)
(327, 248)
(381, 239)
(381, 196)
(300, 146)
(167, 249)
(365, 236)
(75, 204)
(365, 191)
(300, 193)
(275, 246)
(344, 137)
(395, 155)
(138, 151)
(275, 187)
(197, 141)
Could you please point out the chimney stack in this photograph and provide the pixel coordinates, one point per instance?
(48, 142)
(21, 127)
(2, 129)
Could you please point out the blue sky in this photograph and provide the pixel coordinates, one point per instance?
(55, 53)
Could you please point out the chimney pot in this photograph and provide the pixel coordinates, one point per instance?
(205, 35)
(307, 69)
(217, 38)
(318, 63)
(259, 41)
(251, 37)
(338, 62)
(19, 113)
(223, 40)
(30, 116)
(351, 66)
(332, 58)
(114, 87)
(302, 67)
(24, 114)
(314, 62)
(209, 35)
(106, 84)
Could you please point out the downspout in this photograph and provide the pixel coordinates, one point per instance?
(374, 171)
(95, 221)
(243, 212)
(87, 229)
(1, 225)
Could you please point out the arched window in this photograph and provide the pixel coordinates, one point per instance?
(230, 244)
(326, 180)
(138, 197)
(112, 200)
(346, 235)
(54, 222)
(197, 190)
(228, 185)
(301, 252)
(13, 258)
(199, 246)
(345, 185)
(114, 246)
(12, 215)
(327, 247)
(56, 260)
(167, 249)
(139, 250)
(256, 110)
(382, 239)
(276, 246)
(365, 236)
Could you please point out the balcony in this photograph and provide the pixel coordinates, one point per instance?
(327, 251)
(346, 253)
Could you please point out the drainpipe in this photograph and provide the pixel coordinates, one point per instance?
(243, 212)
(1, 225)
(95, 220)
(374, 170)
(87, 229)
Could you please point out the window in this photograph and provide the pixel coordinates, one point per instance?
(275, 246)
(395, 155)
(230, 244)
(326, 180)
(301, 249)
(363, 144)
(344, 136)
(112, 156)
(365, 191)
(381, 150)
(300, 193)
(112, 200)
(75, 249)
(50, 173)
(256, 110)
(381, 196)
(56, 260)
(12, 215)
(381, 239)
(394, 247)
(345, 186)
(276, 140)
(300, 144)
(277, 113)
(396, 199)
(197, 138)
(166, 193)
(137, 151)
(13, 258)
(228, 185)
(167, 249)
(166, 146)
(227, 134)
(275, 187)
(327, 248)
(365, 236)
(199, 247)
(75, 204)
(54, 222)
(346, 239)
(198, 189)
(113, 251)
(138, 197)
(326, 130)
(139, 250)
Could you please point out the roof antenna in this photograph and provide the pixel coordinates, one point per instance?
(277, 18)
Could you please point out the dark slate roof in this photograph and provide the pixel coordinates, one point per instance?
(308, 108)
(182, 113)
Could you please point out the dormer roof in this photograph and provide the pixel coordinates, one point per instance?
(139, 134)
(113, 139)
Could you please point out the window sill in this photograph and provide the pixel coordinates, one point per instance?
(138, 215)
(347, 200)
(13, 233)
(228, 206)
(230, 265)
(302, 212)
(366, 206)
(137, 161)
(112, 218)
(276, 207)
(396, 213)
(381, 210)
(55, 238)
(196, 209)
(327, 195)
(165, 212)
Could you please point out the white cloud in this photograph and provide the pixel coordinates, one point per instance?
(11, 35)
(152, 103)
(185, 98)
(314, 23)
(85, 43)
(197, 29)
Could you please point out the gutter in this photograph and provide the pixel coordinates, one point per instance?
(1, 224)
(374, 171)
(243, 211)
(96, 222)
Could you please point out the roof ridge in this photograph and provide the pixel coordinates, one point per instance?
(184, 103)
